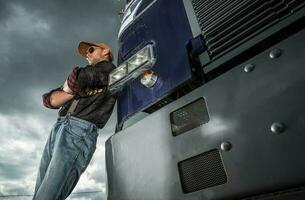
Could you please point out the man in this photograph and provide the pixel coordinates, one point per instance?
(86, 105)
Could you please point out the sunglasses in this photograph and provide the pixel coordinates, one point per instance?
(90, 49)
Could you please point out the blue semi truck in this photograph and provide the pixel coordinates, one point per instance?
(211, 101)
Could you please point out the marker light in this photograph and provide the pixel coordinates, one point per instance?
(149, 78)
(138, 63)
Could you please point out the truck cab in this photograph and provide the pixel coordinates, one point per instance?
(210, 101)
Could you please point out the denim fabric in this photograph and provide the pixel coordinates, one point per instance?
(65, 157)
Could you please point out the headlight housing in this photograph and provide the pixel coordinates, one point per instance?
(118, 74)
(132, 68)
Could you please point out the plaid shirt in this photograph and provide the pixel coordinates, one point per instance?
(90, 84)
(72, 81)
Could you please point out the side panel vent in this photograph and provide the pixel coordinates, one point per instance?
(202, 171)
(226, 24)
(189, 117)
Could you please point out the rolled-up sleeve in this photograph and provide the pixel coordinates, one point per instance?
(46, 98)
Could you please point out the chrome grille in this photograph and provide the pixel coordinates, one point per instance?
(225, 24)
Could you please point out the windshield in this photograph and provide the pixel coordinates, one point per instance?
(130, 8)
(129, 14)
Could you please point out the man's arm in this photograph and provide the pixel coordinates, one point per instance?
(59, 98)
(80, 79)
(56, 98)
(92, 77)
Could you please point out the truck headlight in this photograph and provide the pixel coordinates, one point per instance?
(139, 59)
(133, 67)
(118, 74)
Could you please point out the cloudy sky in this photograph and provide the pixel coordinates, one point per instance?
(37, 51)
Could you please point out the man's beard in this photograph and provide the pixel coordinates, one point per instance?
(92, 61)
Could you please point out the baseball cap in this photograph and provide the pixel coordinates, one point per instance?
(83, 47)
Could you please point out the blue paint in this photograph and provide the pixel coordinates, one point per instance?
(170, 32)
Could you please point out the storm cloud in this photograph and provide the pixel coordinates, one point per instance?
(39, 40)
(37, 52)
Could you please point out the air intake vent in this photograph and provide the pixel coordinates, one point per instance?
(202, 171)
(189, 116)
(225, 24)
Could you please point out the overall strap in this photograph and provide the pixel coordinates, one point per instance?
(73, 106)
